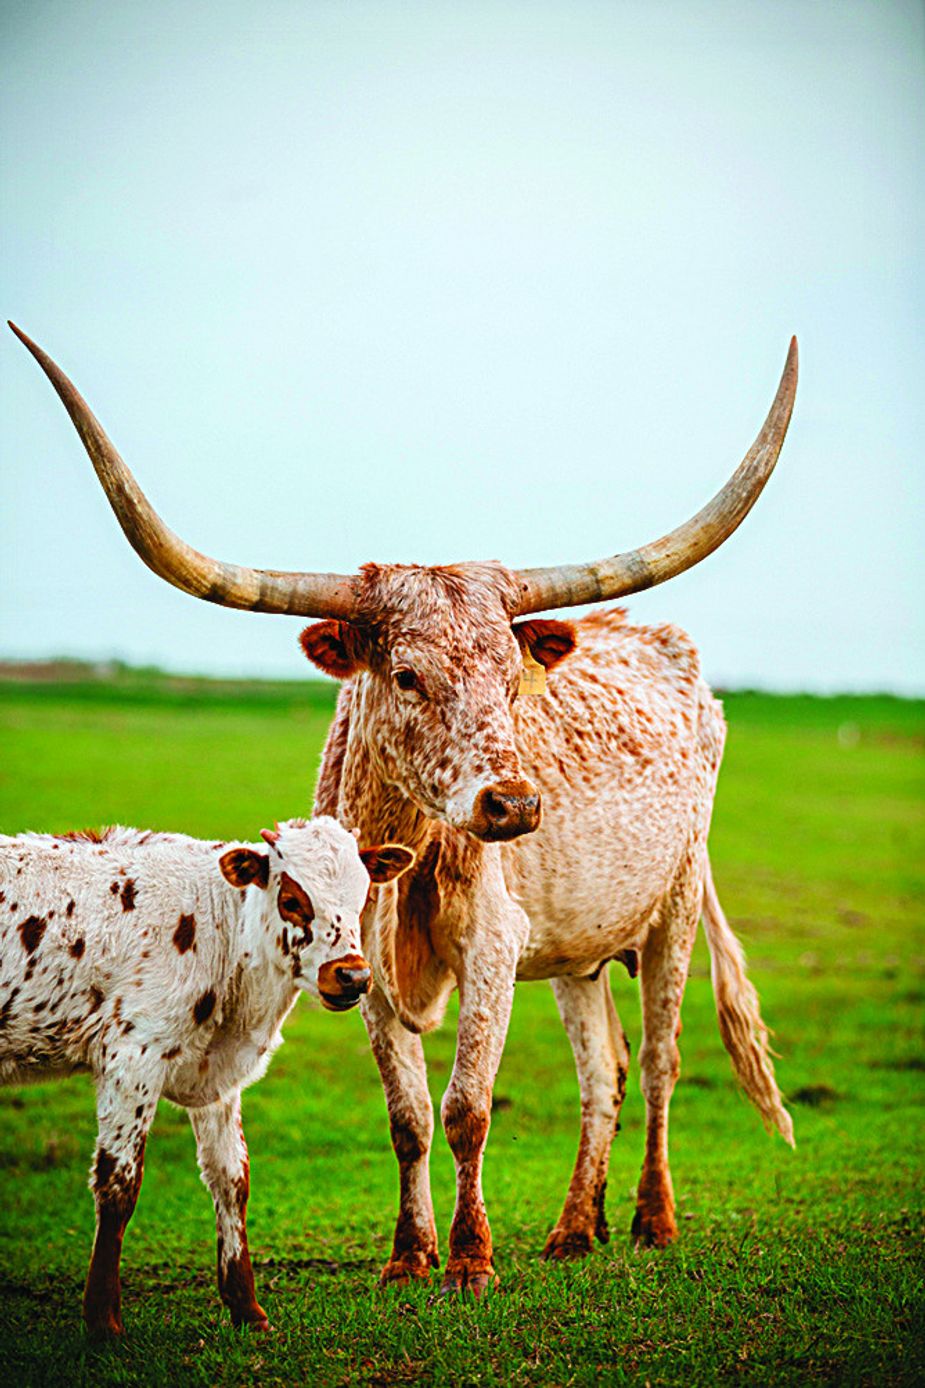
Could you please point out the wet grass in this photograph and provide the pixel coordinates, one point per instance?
(791, 1267)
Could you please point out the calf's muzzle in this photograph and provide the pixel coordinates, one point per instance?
(342, 982)
(505, 811)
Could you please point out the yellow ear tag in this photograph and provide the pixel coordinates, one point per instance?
(532, 675)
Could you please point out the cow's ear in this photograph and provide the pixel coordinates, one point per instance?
(242, 866)
(547, 641)
(335, 647)
(386, 861)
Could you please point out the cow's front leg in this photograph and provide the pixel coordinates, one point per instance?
(400, 1057)
(125, 1109)
(486, 993)
(226, 1171)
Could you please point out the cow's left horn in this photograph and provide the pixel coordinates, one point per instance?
(258, 590)
(570, 584)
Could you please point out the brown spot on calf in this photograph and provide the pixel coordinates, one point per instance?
(77, 948)
(31, 931)
(127, 895)
(204, 1008)
(184, 937)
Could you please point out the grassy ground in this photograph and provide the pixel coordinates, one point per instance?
(791, 1268)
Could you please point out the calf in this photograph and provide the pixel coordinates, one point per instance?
(165, 966)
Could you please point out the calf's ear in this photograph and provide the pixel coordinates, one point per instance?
(547, 641)
(386, 861)
(242, 866)
(333, 646)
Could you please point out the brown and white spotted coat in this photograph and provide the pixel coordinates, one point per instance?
(165, 965)
(553, 834)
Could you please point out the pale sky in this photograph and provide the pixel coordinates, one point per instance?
(428, 282)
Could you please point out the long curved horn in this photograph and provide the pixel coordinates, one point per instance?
(570, 584)
(257, 590)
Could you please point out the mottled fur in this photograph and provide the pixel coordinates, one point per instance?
(624, 751)
(176, 987)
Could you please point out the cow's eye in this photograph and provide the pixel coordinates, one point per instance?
(406, 679)
(290, 904)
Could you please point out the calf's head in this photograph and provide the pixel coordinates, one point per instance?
(316, 881)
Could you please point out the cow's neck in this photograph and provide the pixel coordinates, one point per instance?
(383, 813)
(379, 810)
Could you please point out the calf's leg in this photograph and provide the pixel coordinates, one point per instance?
(125, 1110)
(400, 1057)
(602, 1060)
(226, 1171)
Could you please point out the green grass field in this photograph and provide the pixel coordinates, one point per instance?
(800, 1267)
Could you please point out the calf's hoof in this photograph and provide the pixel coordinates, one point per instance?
(468, 1275)
(655, 1230)
(106, 1327)
(252, 1315)
(259, 1324)
(411, 1267)
(566, 1246)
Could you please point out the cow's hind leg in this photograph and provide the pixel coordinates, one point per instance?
(663, 974)
(400, 1057)
(125, 1110)
(226, 1171)
(602, 1060)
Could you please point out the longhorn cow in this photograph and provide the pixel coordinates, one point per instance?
(552, 834)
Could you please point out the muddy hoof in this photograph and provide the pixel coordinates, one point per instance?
(566, 1246)
(468, 1277)
(108, 1328)
(400, 1271)
(254, 1317)
(653, 1231)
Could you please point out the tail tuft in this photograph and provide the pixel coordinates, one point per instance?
(744, 1034)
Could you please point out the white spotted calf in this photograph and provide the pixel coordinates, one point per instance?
(165, 965)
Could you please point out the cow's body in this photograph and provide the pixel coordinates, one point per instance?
(163, 966)
(624, 750)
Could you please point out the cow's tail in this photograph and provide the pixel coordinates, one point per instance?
(744, 1034)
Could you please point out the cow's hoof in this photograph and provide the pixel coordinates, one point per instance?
(474, 1277)
(567, 1246)
(412, 1268)
(653, 1230)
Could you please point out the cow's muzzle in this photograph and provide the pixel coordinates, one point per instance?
(505, 811)
(342, 982)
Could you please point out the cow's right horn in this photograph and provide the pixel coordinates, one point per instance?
(568, 585)
(257, 590)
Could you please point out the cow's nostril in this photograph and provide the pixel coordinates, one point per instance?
(353, 980)
(505, 811)
(497, 807)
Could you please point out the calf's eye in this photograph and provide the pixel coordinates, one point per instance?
(406, 679)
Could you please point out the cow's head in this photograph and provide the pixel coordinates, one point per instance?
(437, 650)
(316, 881)
(439, 661)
